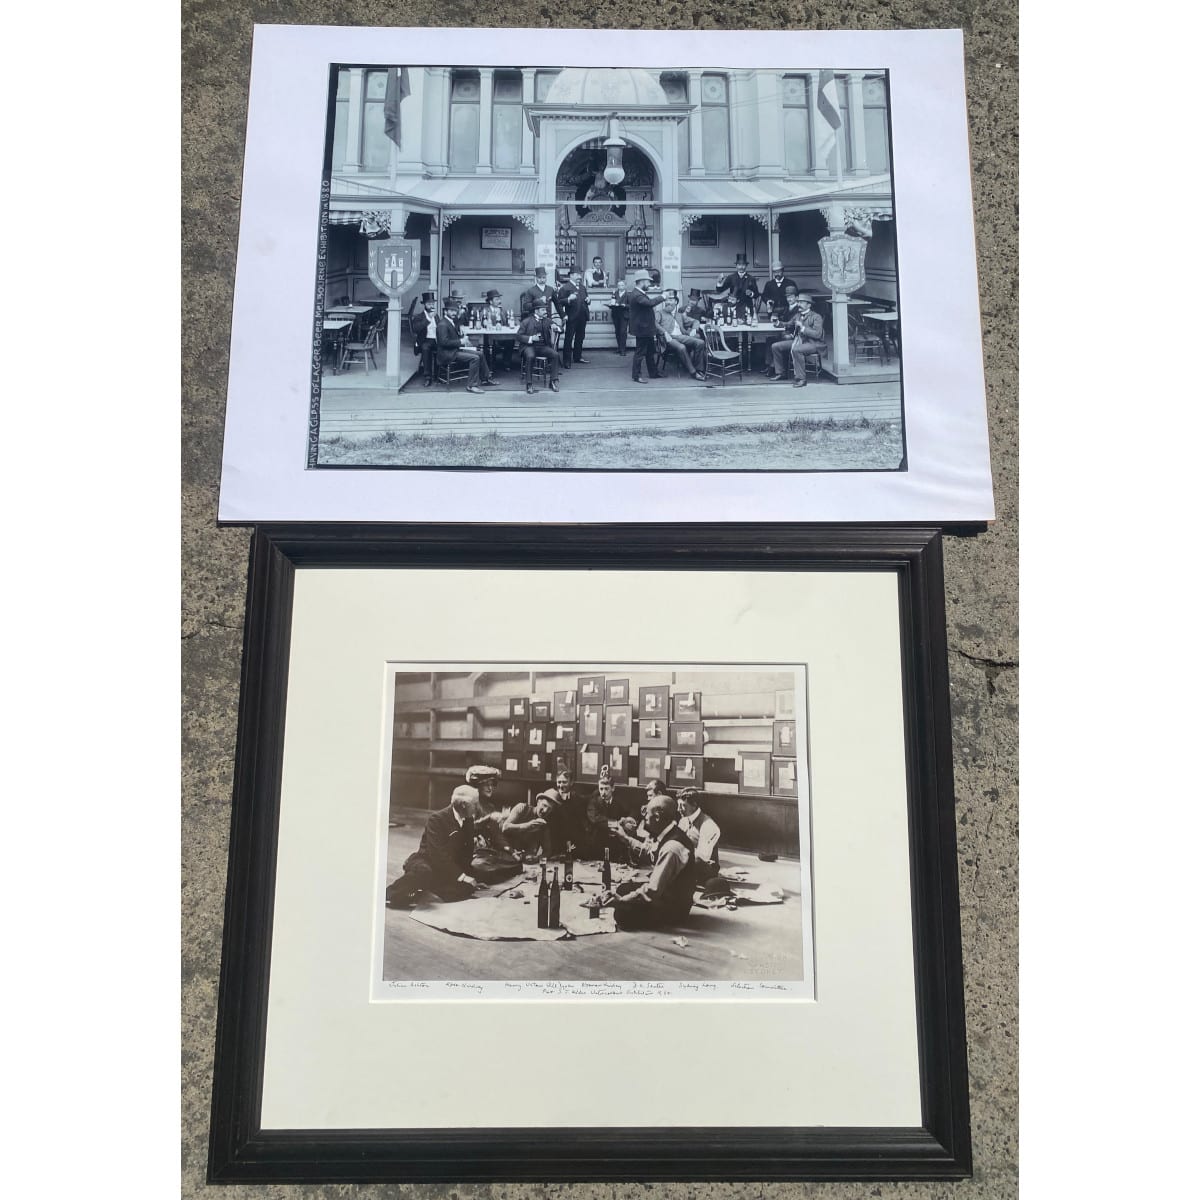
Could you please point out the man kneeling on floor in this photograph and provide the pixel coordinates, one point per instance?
(443, 859)
(666, 897)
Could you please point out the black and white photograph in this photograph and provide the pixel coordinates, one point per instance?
(573, 868)
(541, 268)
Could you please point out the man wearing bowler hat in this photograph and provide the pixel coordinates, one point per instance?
(423, 323)
(452, 349)
(535, 336)
(805, 331)
(642, 301)
(493, 315)
(774, 293)
(541, 290)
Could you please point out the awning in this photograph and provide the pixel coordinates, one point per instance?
(717, 194)
(461, 193)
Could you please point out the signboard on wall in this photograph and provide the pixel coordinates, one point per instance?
(843, 262)
(545, 255)
(672, 260)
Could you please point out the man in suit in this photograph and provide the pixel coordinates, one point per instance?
(679, 336)
(442, 862)
(774, 291)
(738, 289)
(493, 315)
(541, 290)
(573, 304)
(695, 307)
(642, 301)
(535, 336)
(665, 898)
(807, 329)
(596, 277)
(620, 316)
(423, 323)
(452, 348)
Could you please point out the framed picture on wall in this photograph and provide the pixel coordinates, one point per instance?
(564, 737)
(539, 710)
(538, 736)
(518, 708)
(495, 237)
(654, 701)
(687, 737)
(616, 691)
(785, 704)
(685, 706)
(687, 770)
(652, 734)
(515, 736)
(618, 725)
(538, 764)
(591, 689)
(591, 723)
(754, 778)
(564, 707)
(783, 741)
(703, 232)
(617, 760)
(652, 765)
(783, 777)
(588, 767)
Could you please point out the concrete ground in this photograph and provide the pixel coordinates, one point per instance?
(981, 575)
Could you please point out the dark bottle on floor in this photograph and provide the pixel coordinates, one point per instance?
(569, 870)
(552, 920)
(606, 872)
(543, 900)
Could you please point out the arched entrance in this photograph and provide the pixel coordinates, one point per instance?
(595, 219)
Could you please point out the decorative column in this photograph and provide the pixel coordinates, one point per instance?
(819, 169)
(773, 234)
(436, 115)
(843, 271)
(527, 97)
(770, 125)
(695, 126)
(858, 125)
(394, 337)
(485, 121)
(354, 120)
(435, 257)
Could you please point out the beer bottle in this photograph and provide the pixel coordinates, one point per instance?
(543, 907)
(569, 869)
(552, 921)
(606, 872)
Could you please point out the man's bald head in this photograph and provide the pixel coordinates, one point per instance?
(660, 812)
(465, 800)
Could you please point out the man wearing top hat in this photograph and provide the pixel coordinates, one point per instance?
(493, 314)
(738, 288)
(774, 293)
(695, 308)
(541, 290)
(452, 348)
(573, 304)
(423, 323)
(642, 301)
(535, 336)
(806, 328)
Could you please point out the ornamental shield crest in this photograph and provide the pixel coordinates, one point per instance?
(394, 264)
(843, 262)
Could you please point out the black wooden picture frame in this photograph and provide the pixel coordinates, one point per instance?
(241, 1151)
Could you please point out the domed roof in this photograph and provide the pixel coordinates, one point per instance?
(618, 86)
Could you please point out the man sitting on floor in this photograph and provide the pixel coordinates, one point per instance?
(443, 859)
(702, 831)
(666, 897)
(535, 828)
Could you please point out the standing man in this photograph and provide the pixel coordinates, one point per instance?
(807, 328)
(535, 336)
(442, 862)
(573, 304)
(666, 897)
(774, 293)
(423, 325)
(679, 335)
(642, 301)
(452, 347)
(541, 290)
(596, 277)
(702, 831)
(739, 289)
(620, 315)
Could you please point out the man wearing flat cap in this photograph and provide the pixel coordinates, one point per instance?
(540, 290)
(442, 862)
(804, 334)
(642, 301)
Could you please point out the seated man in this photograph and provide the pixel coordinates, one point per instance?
(805, 330)
(453, 347)
(532, 828)
(423, 322)
(702, 831)
(535, 336)
(600, 823)
(493, 315)
(696, 308)
(666, 897)
(443, 859)
(680, 335)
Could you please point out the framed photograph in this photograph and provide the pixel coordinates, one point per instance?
(687, 770)
(538, 764)
(538, 736)
(652, 734)
(591, 690)
(617, 759)
(588, 767)
(687, 737)
(685, 706)
(564, 737)
(754, 777)
(703, 232)
(618, 724)
(616, 691)
(539, 710)
(652, 765)
(785, 704)
(654, 702)
(516, 736)
(518, 708)
(591, 723)
(564, 707)
(783, 777)
(493, 237)
(347, 943)
(783, 739)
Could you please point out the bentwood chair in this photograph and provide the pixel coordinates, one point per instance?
(866, 345)
(450, 372)
(541, 362)
(361, 352)
(721, 360)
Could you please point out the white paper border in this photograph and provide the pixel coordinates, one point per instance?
(334, 1060)
(264, 477)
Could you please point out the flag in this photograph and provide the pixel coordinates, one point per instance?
(829, 118)
(397, 89)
